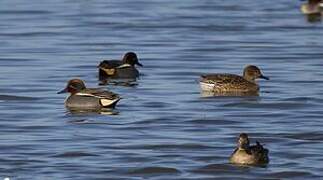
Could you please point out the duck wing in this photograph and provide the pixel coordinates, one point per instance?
(260, 152)
(107, 95)
(258, 148)
(110, 64)
(107, 98)
(99, 93)
(221, 78)
(228, 82)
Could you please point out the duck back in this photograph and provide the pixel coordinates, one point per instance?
(227, 83)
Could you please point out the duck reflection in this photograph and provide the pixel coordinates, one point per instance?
(103, 111)
(312, 18)
(229, 94)
(118, 82)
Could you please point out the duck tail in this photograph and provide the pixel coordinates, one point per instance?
(110, 103)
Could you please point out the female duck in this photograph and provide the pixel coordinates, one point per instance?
(88, 98)
(224, 83)
(249, 155)
(123, 69)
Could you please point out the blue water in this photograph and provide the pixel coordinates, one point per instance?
(164, 128)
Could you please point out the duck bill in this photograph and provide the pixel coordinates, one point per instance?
(63, 91)
(139, 64)
(264, 77)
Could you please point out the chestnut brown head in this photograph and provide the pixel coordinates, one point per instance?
(73, 86)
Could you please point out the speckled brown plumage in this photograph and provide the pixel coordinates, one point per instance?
(229, 82)
(223, 83)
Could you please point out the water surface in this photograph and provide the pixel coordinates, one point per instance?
(165, 129)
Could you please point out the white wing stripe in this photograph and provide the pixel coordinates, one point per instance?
(124, 66)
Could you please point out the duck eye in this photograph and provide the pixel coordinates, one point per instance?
(72, 86)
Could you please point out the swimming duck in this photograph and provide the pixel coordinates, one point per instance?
(88, 98)
(123, 69)
(245, 154)
(312, 7)
(226, 83)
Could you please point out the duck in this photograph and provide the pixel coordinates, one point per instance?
(231, 83)
(88, 98)
(120, 69)
(312, 7)
(245, 154)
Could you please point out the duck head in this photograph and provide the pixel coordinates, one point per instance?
(131, 58)
(251, 73)
(243, 141)
(73, 86)
(314, 2)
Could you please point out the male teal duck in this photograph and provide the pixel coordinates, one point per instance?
(88, 98)
(120, 69)
(231, 83)
(245, 154)
(312, 7)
